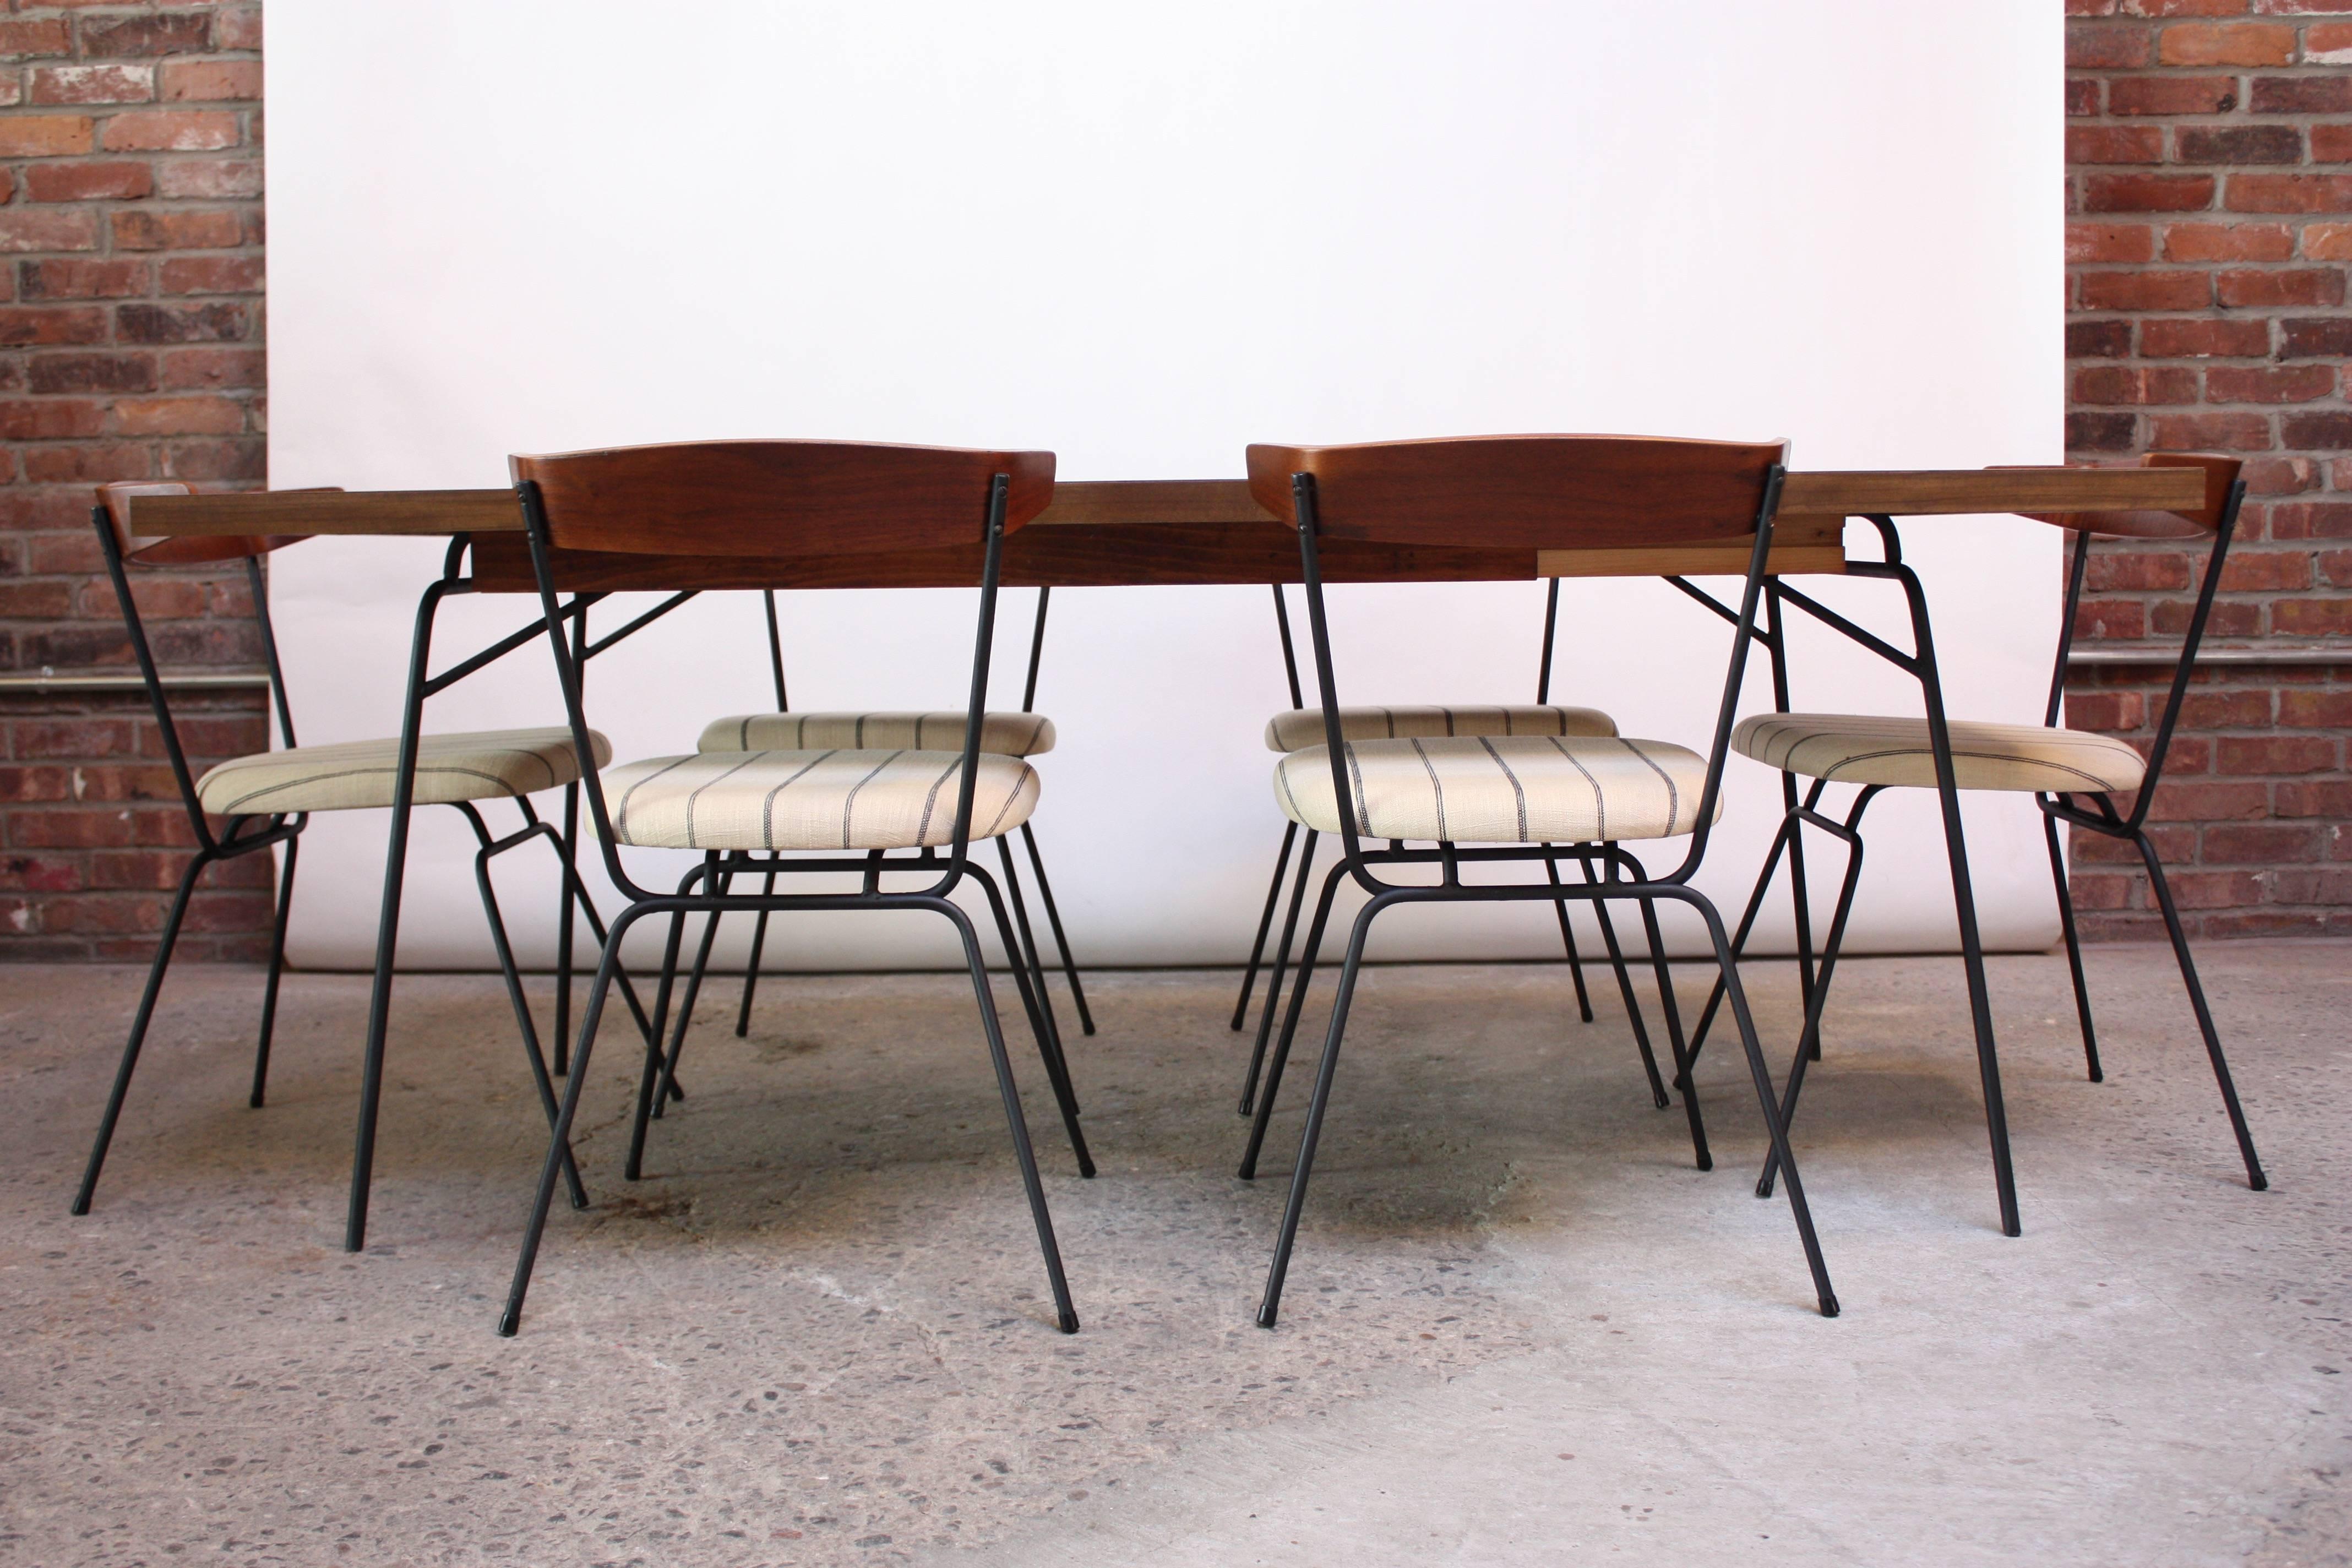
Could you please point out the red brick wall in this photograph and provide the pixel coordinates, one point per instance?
(130, 334)
(2209, 192)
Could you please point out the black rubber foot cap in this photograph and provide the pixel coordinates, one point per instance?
(1705, 1160)
(2259, 1182)
(1266, 1316)
(1661, 1101)
(1763, 1189)
(254, 1104)
(1828, 1307)
(2098, 1077)
(80, 1208)
(1069, 1323)
(1087, 1169)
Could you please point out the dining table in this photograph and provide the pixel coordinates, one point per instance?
(1133, 532)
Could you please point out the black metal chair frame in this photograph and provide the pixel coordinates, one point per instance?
(243, 836)
(1306, 864)
(2104, 818)
(1356, 863)
(1027, 952)
(712, 876)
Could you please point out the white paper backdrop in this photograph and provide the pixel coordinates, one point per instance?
(1143, 237)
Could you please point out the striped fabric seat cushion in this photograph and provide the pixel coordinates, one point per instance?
(1304, 726)
(484, 764)
(839, 799)
(1006, 734)
(1867, 748)
(1501, 789)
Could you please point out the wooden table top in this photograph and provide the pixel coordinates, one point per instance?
(1103, 532)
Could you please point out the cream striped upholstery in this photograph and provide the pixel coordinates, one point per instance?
(1006, 734)
(840, 799)
(1501, 789)
(1863, 749)
(486, 765)
(1304, 726)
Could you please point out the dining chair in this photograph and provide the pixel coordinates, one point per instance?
(267, 799)
(1301, 726)
(1525, 801)
(820, 810)
(1025, 733)
(2093, 782)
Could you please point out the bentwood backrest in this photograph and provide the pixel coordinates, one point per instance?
(2216, 518)
(779, 498)
(1539, 492)
(163, 549)
(124, 548)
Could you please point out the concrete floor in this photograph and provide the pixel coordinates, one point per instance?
(1520, 1327)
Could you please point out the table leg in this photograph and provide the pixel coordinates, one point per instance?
(404, 800)
(1964, 903)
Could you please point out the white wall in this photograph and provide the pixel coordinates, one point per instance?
(1143, 237)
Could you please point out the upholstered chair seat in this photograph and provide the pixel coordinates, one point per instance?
(1003, 735)
(1501, 789)
(1304, 726)
(1863, 748)
(839, 799)
(353, 776)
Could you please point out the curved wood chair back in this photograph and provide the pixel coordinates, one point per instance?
(768, 499)
(1523, 492)
(164, 550)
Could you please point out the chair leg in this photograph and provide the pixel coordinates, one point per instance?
(1269, 1306)
(1024, 955)
(1306, 960)
(277, 970)
(2254, 1176)
(1625, 991)
(1066, 1316)
(1817, 1002)
(1774, 1123)
(1672, 1011)
(1781, 841)
(656, 1061)
(559, 1144)
(1568, 942)
(523, 1025)
(1061, 937)
(2074, 948)
(587, 906)
(164, 945)
(567, 845)
(1265, 924)
(1801, 906)
(1281, 961)
(751, 966)
(692, 993)
(1049, 1045)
